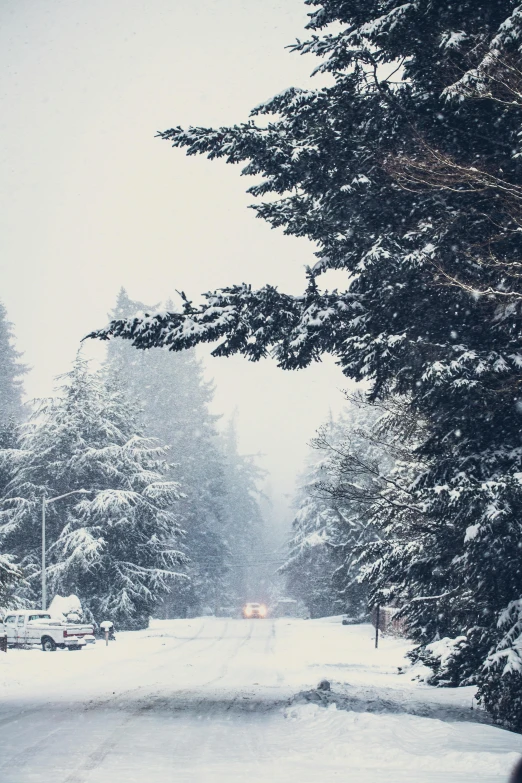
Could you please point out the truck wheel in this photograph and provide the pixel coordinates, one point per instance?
(48, 644)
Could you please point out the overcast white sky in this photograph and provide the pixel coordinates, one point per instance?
(91, 201)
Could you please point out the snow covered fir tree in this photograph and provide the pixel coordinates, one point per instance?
(10, 573)
(244, 533)
(11, 374)
(340, 504)
(404, 171)
(11, 416)
(115, 542)
(311, 562)
(219, 509)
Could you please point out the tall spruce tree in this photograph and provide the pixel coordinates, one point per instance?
(10, 577)
(311, 563)
(11, 414)
(412, 84)
(339, 510)
(220, 512)
(11, 374)
(10, 573)
(115, 543)
(244, 529)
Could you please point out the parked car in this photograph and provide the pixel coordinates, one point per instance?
(27, 627)
(253, 610)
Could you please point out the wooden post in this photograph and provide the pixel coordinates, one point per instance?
(377, 622)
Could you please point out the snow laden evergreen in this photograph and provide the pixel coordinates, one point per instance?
(11, 578)
(10, 573)
(115, 542)
(11, 415)
(244, 531)
(219, 510)
(11, 374)
(311, 561)
(339, 508)
(404, 171)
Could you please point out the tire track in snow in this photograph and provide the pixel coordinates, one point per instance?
(95, 704)
(63, 711)
(226, 665)
(270, 651)
(97, 757)
(150, 701)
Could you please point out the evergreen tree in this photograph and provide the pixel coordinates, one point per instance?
(11, 413)
(311, 563)
(10, 579)
(244, 526)
(339, 509)
(220, 512)
(414, 86)
(11, 373)
(10, 573)
(113, 542)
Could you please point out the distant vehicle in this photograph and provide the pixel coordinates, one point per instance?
(27, 627)
(251, 610)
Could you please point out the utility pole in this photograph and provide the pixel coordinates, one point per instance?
(377, 622)
(45, 502)
(44, 568)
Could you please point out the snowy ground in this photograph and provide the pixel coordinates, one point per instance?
(214, 700)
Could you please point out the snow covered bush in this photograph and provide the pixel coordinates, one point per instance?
(501, 694)
(500, 686)
(61, 606)
(449, 660)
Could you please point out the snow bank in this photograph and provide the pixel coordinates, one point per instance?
(411, 748)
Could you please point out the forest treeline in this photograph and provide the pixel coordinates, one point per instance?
(159, 510)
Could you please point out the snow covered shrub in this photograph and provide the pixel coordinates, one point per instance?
(500, 682)
(453, 662)
(63, 606)
(501, 694)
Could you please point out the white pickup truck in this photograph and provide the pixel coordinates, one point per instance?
(27, 627)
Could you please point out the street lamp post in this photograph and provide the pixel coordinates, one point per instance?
(45, 502)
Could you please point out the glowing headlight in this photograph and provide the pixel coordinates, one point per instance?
(262, 611)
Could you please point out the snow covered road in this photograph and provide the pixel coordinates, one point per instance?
(212, 700)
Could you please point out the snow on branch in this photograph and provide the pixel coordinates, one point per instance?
(294, 330)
